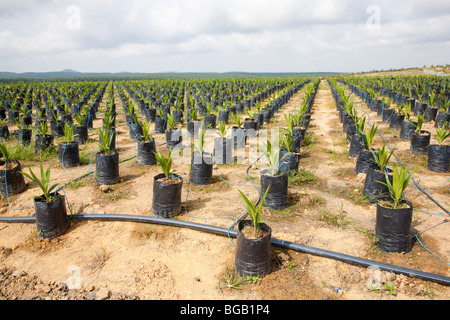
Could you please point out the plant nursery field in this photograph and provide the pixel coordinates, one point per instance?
(324, 240)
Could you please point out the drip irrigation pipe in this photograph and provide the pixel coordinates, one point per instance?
(443, 280)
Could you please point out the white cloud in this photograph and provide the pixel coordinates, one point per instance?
(174, 34)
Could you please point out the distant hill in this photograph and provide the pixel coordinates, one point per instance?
(72, 75)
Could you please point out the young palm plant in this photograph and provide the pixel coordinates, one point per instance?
(6, 156)
(105, 141)
(68, 133)
(370, 136)
(200, 145)
(273, 158)
(146, 135)
(382, 156)
(253, 212)
(441, 135)
(43, 183)
(165, 164)
(420, 121)
(400, 181)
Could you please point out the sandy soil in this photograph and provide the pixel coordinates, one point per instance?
(128, 260)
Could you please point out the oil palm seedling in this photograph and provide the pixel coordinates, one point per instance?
(167, 188)
(68, 150)
(11, 180)
(253, 248)
(273, 176)
(107, 160)
(420, 139)
(50, 207)
(365, 158)
(439, 154)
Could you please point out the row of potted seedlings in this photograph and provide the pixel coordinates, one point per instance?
(438, 153)
(383, 185)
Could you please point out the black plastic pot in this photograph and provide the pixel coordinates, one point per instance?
(387, 114)
(289, 161)
(51, 218)
(277, 197)
(239, 137)
(146, 153)
(223, 116)
(81, 134)
(174, 139)
(266, 115)
(166, 197)
(193, 127)
(11, 180)
(365, 161)
(240, 108)
(356, 145)
(299, 137)
(13, 116)
(23, 136)
(67, 118)
(350, 131)
(439, 158)
(420, 142)
(223, 151)
(42, 143)
(393, 229)
(26, 120)
(441, 118)
(160, 124)
(396, 121)
(69, 154)
(250, 127)
(135, 131)
(150, 114)
(57, 128)
(407, 129)
(259, 118)
(4, 132)
(231, 110)
(209, 121)
(374, 189)
(419, 108)
(201, 168)
(107, 168)
(430, 114)
(347, 123)
(253, 257)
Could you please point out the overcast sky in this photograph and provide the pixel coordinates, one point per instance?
(220, 36)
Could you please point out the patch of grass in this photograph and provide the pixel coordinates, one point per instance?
(370, 234)
(358, 197)
(309, 140)
(98, 259)
(231, 280)
(303, 177)
(27, 152)
(216, 185)
(338, 219)
(311, 200)
(114, 195)
(77, 184)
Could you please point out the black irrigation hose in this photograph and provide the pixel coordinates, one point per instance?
(443, 280)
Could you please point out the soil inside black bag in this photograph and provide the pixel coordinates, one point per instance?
(172, 180)
(249, 233)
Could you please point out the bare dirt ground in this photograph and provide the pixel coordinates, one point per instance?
(98, 260)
